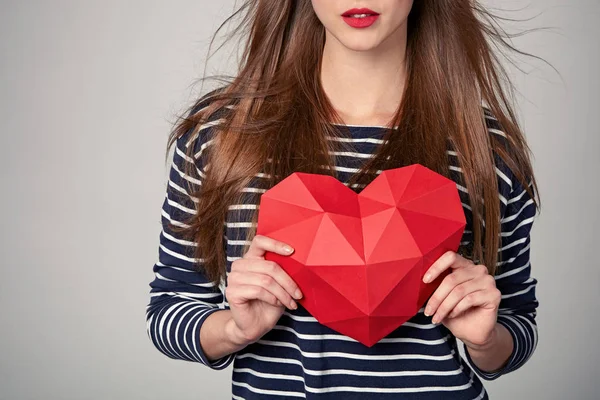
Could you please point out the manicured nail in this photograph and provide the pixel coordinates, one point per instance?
(434, 320)
(427, 278)
(427, 311)
(288, 249)
(293, 305)
(298, 294)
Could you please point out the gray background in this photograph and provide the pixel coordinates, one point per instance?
(88, 90)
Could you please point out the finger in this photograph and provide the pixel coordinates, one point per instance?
(261, 244)
(449, 259)
(480, 298)
(267, 282)
(244, 293)
(451, 281)
(457, 294)
(274, 270)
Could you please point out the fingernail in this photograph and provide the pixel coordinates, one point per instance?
(298, 294)
(288, 249)
(293, 305)
(427, 278)
(427, 311)
(434, 320)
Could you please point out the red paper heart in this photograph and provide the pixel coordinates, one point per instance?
(359, 259)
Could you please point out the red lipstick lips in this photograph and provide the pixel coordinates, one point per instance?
(360, 17)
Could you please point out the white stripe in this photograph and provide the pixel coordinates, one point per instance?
(306, 336)
(350, 170)
(177, 350)
(189, 295)
(177, 187)
(177, 240)
(240, 224)
(523, 250)
(175, 204)
(504, 177)
(183, 175)
(202, 128)
(517, 198)
(173, 267)
(516, 342)
(159, 276)
(524, 222)
(252, 190)
(205, 145)
(180, 256)
(195, 329)
(507, 296)
(390, 390)
(534, 330)
(513, 244)
(513, 271)
(269, 376)
(383, 357)
(497, 132)
(462, 188)
(190, 160)
(481, 395)
(515, 215)
(358, 140)
(196, 134)
(243, 207)
(351, 154)
(158, 336)
(271, 392)
(313, 320)
(269, 359)
(204, 285)
(164, 317)
(503, 199)
(238, 242)
(350, 372)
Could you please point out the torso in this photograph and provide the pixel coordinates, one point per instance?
(305, 359)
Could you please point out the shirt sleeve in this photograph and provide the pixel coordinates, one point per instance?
(181, 298)
(518, 303)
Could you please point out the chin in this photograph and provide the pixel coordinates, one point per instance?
(360, 46)
(359, 41)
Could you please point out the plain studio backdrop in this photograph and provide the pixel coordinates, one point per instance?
(89, 90)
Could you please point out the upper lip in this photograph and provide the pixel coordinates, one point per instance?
(359, 11)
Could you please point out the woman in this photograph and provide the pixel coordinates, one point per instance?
(343, 88)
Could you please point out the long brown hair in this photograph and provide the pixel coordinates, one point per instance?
(278, 118)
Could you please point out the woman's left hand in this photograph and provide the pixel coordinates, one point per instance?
(466, 301)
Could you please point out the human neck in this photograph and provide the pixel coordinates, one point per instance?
(365, 87)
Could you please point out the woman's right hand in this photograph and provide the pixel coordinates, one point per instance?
(259, 290)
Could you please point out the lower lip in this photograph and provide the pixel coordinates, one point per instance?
(361, 22)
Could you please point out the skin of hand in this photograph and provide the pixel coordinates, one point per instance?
(258, 291)
(466, 302)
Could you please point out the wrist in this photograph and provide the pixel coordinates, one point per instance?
(234, 334)
(486, 345)
(493, 355)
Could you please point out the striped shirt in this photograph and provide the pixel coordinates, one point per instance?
(301, 358)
